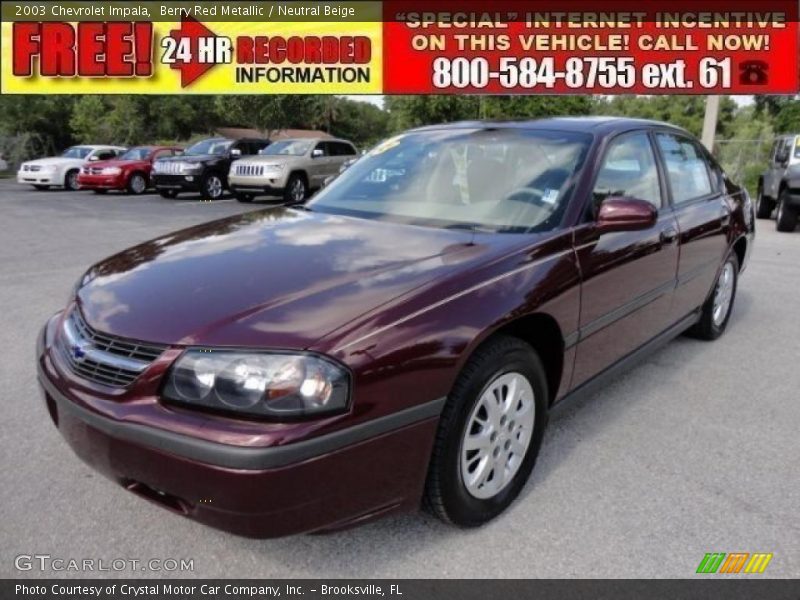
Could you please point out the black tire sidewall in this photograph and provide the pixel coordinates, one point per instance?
(287, 194)
(463, 508)
(67, 178)
(204, 187)
(786, 220)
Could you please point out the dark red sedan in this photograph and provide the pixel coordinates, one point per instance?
(129, 172)
(402, 337)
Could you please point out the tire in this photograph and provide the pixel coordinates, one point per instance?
(71, 180)
(764, 205)
(296, 189)
(243, 197)
(100, 192)
(212, 187)
(41, 188)
(137, 184)
(711, 324)
(786, 219)
(168, 193)
(449, 494)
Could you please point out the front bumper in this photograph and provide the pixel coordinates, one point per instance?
(267, 185)
(101, 182)
(38, 178)
(180, 183)
(325, 482)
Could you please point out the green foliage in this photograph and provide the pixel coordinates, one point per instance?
(787, 120)
(683, 111)
(413, 111)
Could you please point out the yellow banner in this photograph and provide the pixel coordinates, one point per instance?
(194, 57)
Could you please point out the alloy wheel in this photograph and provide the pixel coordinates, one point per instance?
(497, 435)
(138, 184)
(298, 192)
(723, 294)
(72, 180)
(214, 187)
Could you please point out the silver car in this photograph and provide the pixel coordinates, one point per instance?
(779, 185)
(289, 168)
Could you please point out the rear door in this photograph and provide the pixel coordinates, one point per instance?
(320, 166)
(342, 152)
(628, 277)
(703, 213)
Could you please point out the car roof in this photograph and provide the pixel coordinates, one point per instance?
(314, 140)
(593, 124)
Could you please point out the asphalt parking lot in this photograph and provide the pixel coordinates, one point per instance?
(694, 451)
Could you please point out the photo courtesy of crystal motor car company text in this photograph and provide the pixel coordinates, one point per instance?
(353, 268)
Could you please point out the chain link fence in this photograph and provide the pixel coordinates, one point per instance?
(744, 160)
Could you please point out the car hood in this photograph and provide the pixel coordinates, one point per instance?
(102, 164)
(200, 158)
(278, 278)
(55, 161)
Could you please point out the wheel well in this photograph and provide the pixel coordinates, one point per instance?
(543, 333)
(301, 173)
(740, 247)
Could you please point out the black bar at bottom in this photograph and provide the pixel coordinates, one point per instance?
(704, 587)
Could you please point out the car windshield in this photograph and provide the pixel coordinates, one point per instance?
(137, 154)
(497, 179)
(286, 148)
(77, 152)
(217, 147)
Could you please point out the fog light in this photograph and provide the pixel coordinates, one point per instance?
(189, 178)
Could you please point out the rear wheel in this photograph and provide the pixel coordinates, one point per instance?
(243, 197)
(716, 311)
(764, 206)
(168, 193)
(296, 189)
(786, 219)
(71, 180)
(489, 434)
(212, 187)
(137, 184)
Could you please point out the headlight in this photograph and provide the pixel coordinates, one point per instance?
(276, 167)
(189, 167)
(258, 384)
(111, 171)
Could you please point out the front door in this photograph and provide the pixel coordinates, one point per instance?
(628, 277)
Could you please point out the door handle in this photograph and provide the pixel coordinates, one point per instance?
(669, 236)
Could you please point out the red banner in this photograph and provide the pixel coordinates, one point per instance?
(627, 48)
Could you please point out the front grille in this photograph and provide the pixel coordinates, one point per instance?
(93, 170)
(168, 168)
(103, 358)
(250, 170)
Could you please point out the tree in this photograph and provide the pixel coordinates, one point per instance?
(412, 111)
(268, 113)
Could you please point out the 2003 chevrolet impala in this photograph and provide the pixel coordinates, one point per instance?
(402, 337)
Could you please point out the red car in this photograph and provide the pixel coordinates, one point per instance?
(402, 337)
(129, 172)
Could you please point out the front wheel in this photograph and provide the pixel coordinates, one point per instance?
(296, 190)
(137, 184)
(168, 193)
(716, 312)
(489, 434)
(764, 205)
(71, 181)
(786, 219)
(212, 187)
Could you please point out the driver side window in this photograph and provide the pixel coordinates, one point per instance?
(628, 169)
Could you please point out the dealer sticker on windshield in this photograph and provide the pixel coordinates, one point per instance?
(550, 196)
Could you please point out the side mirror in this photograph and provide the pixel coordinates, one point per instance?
(236, 153)
(317, 152)
(94, 158)
(618, 213)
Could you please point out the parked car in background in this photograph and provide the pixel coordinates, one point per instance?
(63, 171)
(404, 335)
(289, 168)
(203, 167)
(779, 186)
(129, 172)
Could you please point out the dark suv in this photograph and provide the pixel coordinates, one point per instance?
(203, 168)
